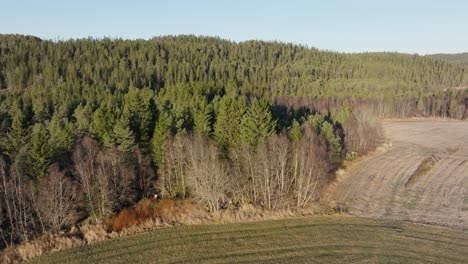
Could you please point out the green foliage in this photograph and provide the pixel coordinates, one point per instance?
(162, 132)
(122, 135)
(202, 117)
(83, 116)
(61, 136)
(255, 68)
(228, 121)
(316, 122)
(257, 123)
(342, 114)
(327, 130)
(139, 109)
(104, 119)
(33, 159)
(18, 130)
(295, 133)
(333, 140)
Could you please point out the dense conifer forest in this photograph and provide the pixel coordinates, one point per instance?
(91, 126)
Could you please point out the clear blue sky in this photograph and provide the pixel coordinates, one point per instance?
(412, 26)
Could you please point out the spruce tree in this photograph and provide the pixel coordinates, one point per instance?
(295, 132)
(61, 136)
(122, 135)
(103, 123)
(333, 140)
(202, 117)
(228, 121)
(18, 131)
(35, 157)
(139, 109)
(342, 114)
(83, 116)
(257, 123)
(162, 132)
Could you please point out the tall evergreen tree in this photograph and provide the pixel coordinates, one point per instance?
(18, 130)
(162, 132)
(34, 158)
(139, 109)
(257, 123)
(228, 121)
(83, 116)
(295, 132)
(202, 117)
(122, 135)
(102, 125)
(61, 136)
(333, 140)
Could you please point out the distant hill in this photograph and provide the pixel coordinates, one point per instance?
(260, 68)
(459, 57)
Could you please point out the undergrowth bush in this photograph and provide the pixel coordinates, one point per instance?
(166, 210)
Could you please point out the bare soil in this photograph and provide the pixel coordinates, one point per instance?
(420, 175)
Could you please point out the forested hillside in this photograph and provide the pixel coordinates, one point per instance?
(457, 58)
(91, 126)
(265, 68)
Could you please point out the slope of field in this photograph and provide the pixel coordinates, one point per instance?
(320, 239)
(422, 177)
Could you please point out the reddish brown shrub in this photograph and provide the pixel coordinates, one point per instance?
(145, 209)
(167, 210)
(125, 218)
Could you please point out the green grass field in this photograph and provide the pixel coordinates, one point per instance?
(318, 239)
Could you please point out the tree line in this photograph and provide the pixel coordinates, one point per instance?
(222, 148)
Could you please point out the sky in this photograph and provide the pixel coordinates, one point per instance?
(410, 26)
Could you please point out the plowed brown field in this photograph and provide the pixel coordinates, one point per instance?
(421, 175)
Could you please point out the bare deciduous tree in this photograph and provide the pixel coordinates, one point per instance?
(309, 166)
(58, 199)
(273, 171)
(92, 178)
(117, 178)
(19, 224)
(145, 174)
(206, 173)
(173, 170)
(363, 132)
